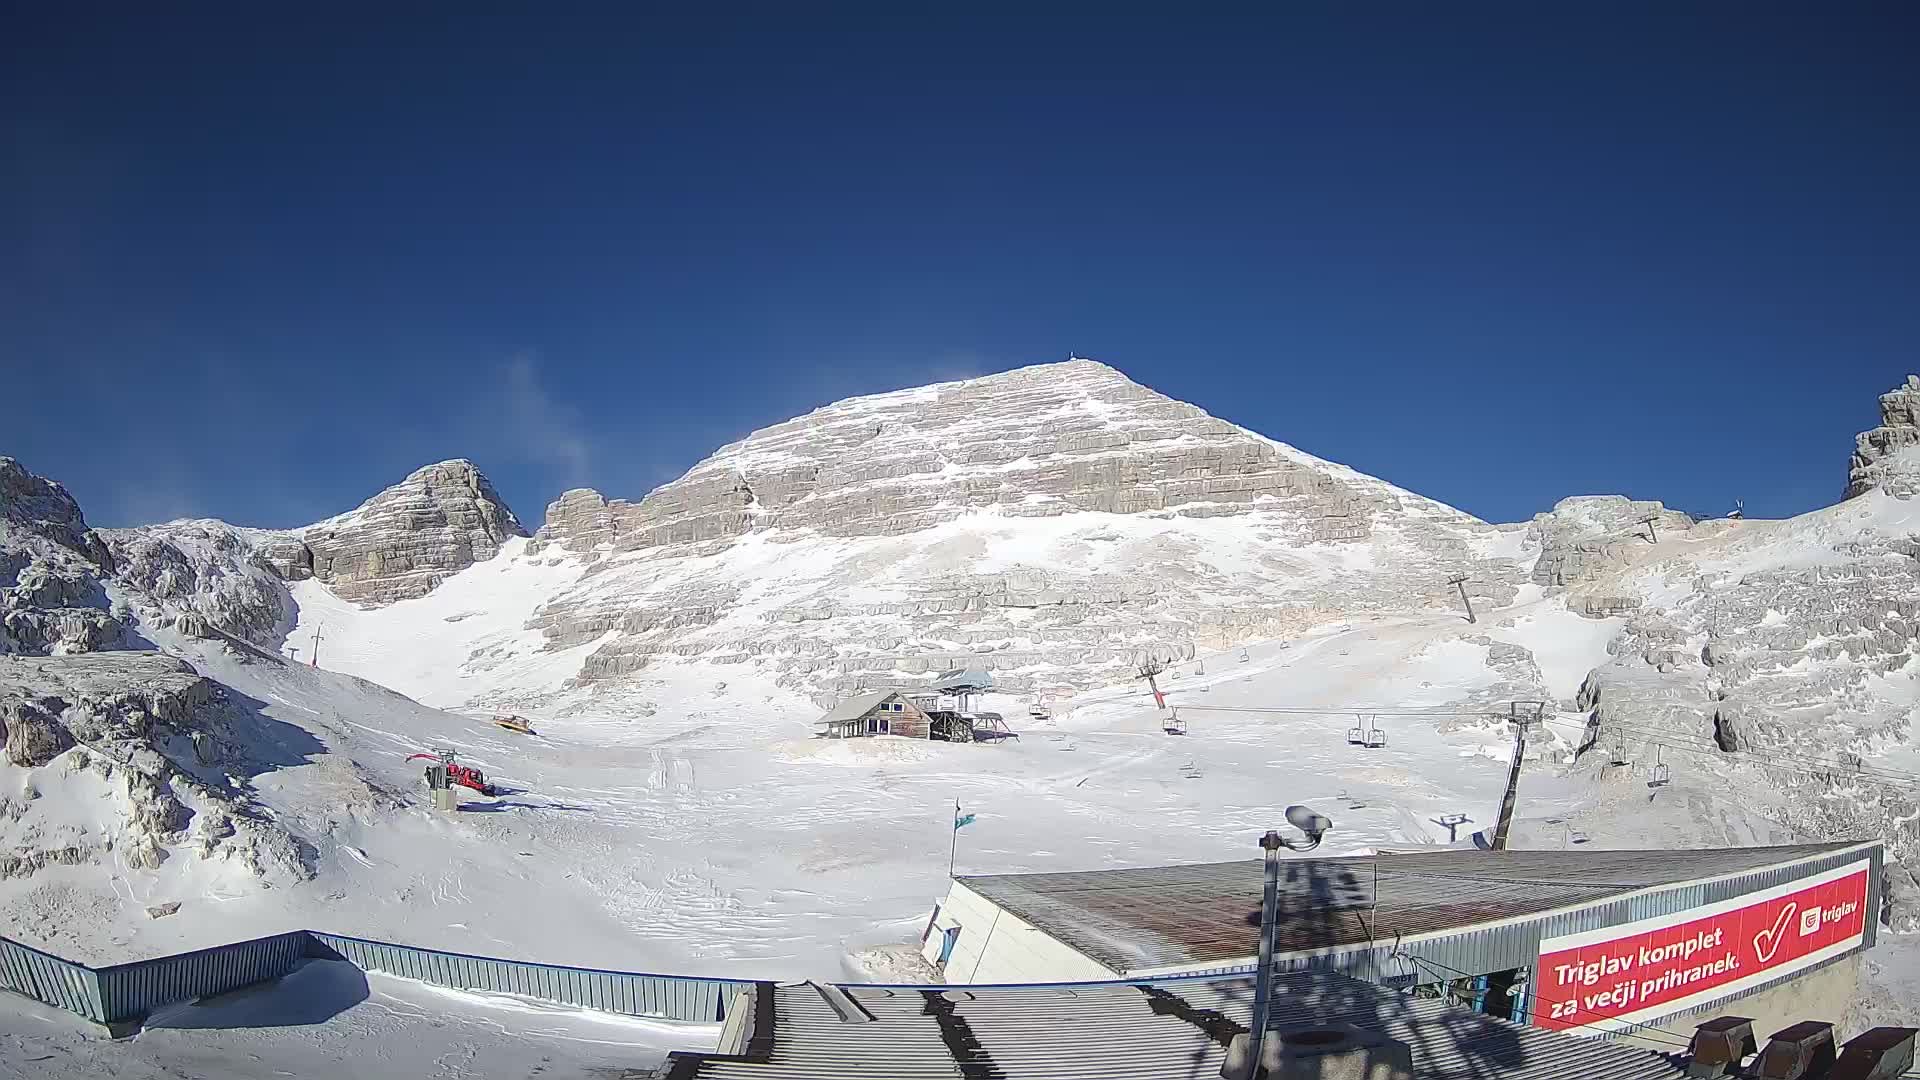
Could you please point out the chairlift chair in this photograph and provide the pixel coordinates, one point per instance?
(1175, 724)
(1661, 774)
(1243, 656)
(1368, 734)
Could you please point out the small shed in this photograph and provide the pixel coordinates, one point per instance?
(882, 712)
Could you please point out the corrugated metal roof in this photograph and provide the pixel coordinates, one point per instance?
(1156, 917)
(855, 707)
(1170, 1030)
(969, 679)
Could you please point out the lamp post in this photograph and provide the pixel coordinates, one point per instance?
(1314, 825)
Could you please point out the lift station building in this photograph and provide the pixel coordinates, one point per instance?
(1587, 941)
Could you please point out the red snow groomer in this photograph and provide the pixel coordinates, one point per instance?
(465, 775)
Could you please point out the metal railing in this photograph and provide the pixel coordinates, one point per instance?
(131, 991)
(47, 978)
(631, 993)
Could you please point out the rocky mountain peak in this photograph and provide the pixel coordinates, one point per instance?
(1038, 441)
(1055, 524)
(51, 600)
(402, 542)
(1888, 456)
(42, 508)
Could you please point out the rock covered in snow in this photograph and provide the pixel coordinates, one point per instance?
(42, 508)
(1036, 442)
(51, 564)
(1773, 663)
(1584, 536)
(140, 721)
(404, 541)
(1888, 456)
(207, 577)
(1056, 524)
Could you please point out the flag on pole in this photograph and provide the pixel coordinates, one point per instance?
(960, 819)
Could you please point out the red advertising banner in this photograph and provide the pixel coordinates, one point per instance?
(1619, 975)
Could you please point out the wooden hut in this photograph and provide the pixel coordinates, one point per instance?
(882, 712)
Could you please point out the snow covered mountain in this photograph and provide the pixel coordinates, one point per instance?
(1057, 525)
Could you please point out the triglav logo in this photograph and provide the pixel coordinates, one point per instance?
(1809, 922)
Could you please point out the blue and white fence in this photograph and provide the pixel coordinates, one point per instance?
(126, 992)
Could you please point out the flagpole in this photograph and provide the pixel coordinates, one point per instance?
(954, 849)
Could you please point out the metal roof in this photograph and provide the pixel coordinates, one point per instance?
(1170, 1030)
(1137, 920)
(969, 679)
(855, 707)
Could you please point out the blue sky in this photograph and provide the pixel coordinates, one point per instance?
(258, 266)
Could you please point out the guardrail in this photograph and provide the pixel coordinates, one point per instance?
(126, 993)
(632, 993)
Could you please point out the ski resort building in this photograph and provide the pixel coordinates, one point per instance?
(1593, 942)
(883, 712)
(914, 715)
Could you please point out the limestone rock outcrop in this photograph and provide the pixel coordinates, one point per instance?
(1056, 525)
(1036, 442)
(51, 563)
(1766, 664)
(204, 577)
(1888, 456)
(404, 541)
(1586, 535)
(145, 725)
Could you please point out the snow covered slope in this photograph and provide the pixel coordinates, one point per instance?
(1056, 525)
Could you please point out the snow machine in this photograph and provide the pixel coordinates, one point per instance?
(464, 775)
(514, 723)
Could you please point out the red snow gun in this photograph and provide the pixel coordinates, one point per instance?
(464, 775)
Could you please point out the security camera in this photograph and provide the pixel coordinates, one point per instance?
(1309, 822)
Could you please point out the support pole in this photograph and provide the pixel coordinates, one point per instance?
(1652, 537)
(1519, 721)
(1263, 980)
(953, 849)
(1459, 581)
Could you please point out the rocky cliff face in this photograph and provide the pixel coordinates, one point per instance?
(1780, 656)
(84, 713)
(50, 570)
(404, 541)
(1584, 539)
(1037, 442)
(204, 578)
(1888, 456)
(141, 723)
(1055, 524)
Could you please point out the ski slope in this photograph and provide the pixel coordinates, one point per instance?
(717, 837)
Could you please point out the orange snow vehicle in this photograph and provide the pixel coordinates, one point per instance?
(513, 723)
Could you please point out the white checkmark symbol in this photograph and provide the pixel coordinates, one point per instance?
(1772, 937)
